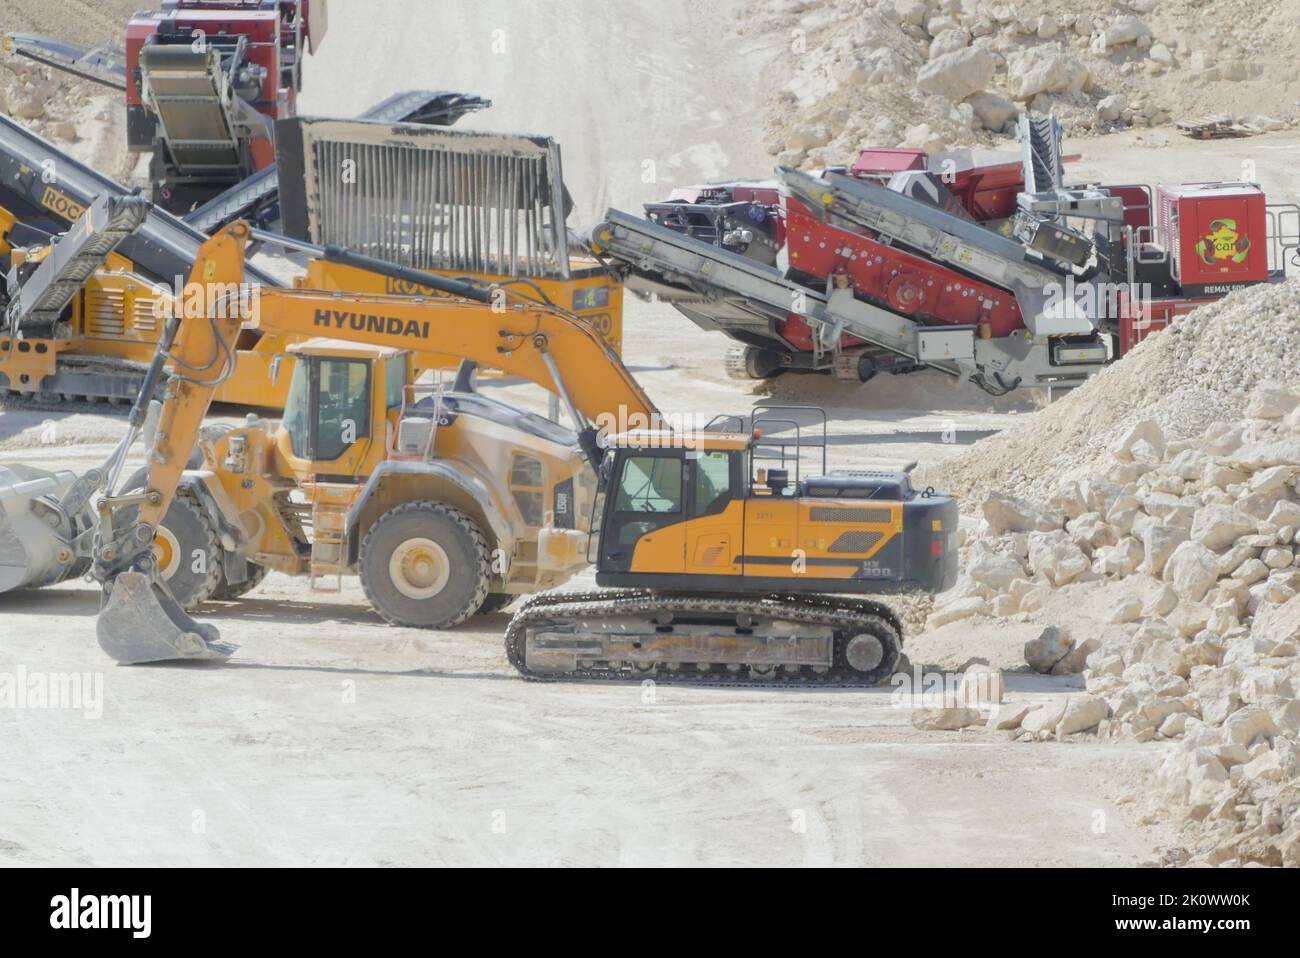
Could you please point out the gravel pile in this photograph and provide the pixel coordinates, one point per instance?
(946, 74)
(1199, 371)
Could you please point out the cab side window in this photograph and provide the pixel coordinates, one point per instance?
(712, 482)
(395, 376)
(650, 484)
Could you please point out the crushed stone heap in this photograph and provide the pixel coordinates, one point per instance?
(945, 74)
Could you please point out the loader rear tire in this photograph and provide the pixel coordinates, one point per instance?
(425, 565)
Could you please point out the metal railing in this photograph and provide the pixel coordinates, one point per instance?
(772, 448)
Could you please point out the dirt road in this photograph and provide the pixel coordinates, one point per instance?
(331, 740)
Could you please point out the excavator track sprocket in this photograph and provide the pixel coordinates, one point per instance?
(768, 641)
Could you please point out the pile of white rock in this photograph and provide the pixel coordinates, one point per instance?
(1210, 659)
(943, 74)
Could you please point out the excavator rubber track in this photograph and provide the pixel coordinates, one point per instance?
(703, 640)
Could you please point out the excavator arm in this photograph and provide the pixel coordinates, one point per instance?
(140, 621)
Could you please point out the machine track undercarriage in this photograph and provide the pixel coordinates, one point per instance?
(799, 641)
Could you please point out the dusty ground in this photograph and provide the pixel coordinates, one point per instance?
(331, 739)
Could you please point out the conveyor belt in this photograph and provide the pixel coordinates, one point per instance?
(726, 285)
(919, 225)
(42, 297)
(244, 200)
(961, 244)
(40, 182)
(710, 271)
(431, 107)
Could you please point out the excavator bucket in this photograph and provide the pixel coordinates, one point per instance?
(141, 623)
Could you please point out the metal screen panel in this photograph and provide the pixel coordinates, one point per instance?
(429, 198)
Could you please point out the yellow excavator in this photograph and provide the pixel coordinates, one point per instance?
(440, 504)
(711, 566)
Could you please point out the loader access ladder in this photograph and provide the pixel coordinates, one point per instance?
(330, 503)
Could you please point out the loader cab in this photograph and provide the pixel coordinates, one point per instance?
(340, 400)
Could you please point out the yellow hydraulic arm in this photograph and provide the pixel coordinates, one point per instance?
(140, 622)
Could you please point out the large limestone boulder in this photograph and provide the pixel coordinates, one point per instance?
(912, 12)
(1076, 660)
(994, 570)
(1056, 556)
(959, 74)
(1246, 725)
(1046, 69)
(1255, 456)
(1272, 400)
(1218, 695)
(1005, 514)
(993, 110)
(1045, 718)
(1043, 653)
(1111, 108)
(949, 41)
(1148, 431)
(1082, 712)
(1191, 570)
(1124, 30)
(957, 610)
(1006, 717)
(1217, 526)
(945, 718)
(1277, 623)
(1158, 544)
(28, 105)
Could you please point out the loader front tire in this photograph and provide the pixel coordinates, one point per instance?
(495, 602)
(426, 566)
(225, 592)
(188, 553)
(186, 547)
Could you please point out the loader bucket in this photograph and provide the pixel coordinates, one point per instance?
(32, 552)
(142, 623)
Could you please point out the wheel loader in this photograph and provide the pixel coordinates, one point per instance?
(716, 567)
